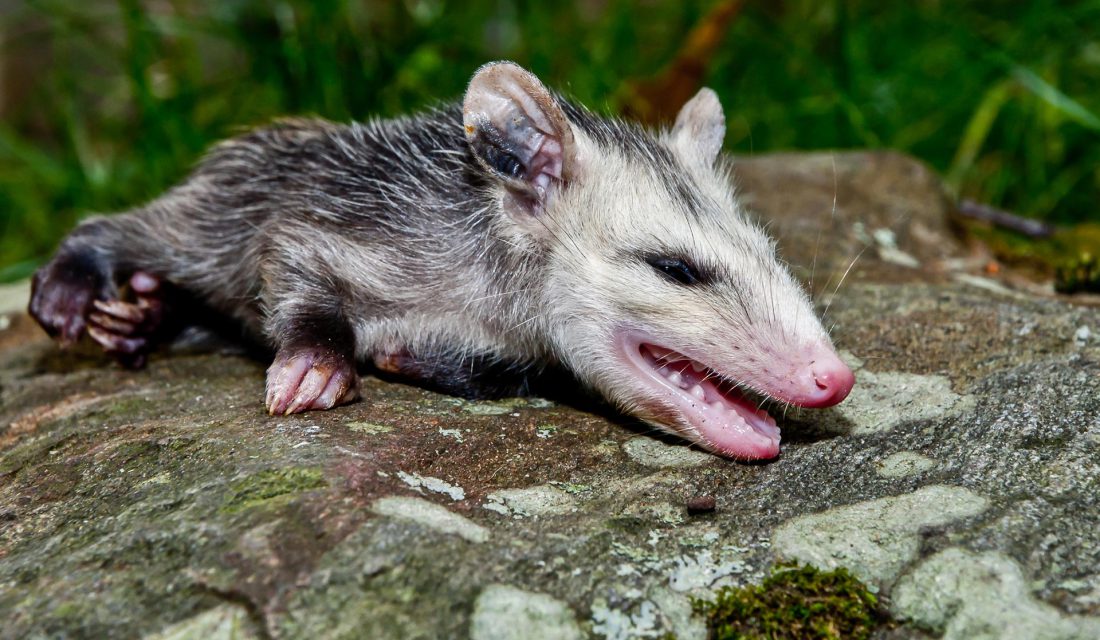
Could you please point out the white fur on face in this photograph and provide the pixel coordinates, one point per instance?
(751, 322)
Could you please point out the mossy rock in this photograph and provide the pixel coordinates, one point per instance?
(268, 485)
(796, 603)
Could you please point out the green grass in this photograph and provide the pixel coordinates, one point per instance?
(121, 99)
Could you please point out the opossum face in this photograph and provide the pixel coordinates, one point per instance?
(658, 291)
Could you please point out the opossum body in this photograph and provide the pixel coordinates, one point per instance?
(468, 248)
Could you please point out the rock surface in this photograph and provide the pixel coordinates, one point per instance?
(961, 478)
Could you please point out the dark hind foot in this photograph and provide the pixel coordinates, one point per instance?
(75, 294)
(62, 293)
(309, 378)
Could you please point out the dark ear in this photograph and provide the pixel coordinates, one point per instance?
(701, 124)
(518, 132)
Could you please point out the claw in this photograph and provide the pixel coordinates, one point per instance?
(112, 324)
(114, 343)
(310, 379)
(74, 295)
(120, 310)
(339, 390)
(283, 378)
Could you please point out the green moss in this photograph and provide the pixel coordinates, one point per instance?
(126, 406)
(270, 484)
(135, 449)
(634, 554)
(546, 430)
(795, 603)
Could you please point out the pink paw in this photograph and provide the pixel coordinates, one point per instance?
(308, 379)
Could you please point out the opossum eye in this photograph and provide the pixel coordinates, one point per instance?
(678, 269)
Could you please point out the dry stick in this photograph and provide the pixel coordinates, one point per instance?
(1004, 219)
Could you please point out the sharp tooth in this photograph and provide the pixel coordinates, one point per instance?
(675, 378)
(697, 367)
(697, 392)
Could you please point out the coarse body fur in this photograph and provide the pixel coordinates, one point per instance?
(544, 237)
(385, 225)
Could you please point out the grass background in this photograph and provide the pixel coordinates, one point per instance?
(108, 102)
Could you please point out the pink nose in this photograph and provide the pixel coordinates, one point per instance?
(833, 380)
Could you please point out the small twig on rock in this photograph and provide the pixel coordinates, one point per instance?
(1005, 219)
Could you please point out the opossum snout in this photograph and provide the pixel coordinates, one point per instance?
(824, 382)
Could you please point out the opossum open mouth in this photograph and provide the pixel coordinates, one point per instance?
(711, 408)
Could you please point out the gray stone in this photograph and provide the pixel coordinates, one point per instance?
(533, 501)
(436, 485)
(983, 596)
(884, 400)
(903, 464)
(224, 622)
(13, 298)
(877, 538)
(431, 516)
(503, 612)
(654, 453)
(166, 501)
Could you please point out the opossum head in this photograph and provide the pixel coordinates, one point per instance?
(656, 289)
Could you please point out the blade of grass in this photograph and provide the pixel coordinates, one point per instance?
(1052, 96)
(977, 131)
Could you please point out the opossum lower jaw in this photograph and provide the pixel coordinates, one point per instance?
(711, 409)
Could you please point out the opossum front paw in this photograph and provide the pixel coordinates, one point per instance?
(311, 378)
(128, 330)
(62, 293)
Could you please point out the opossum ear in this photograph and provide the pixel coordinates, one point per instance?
(701, 124)
(518, 131)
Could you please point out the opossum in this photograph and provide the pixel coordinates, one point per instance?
(470, 248)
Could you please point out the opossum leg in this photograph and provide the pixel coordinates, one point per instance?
(472, 376)
(313, 369)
